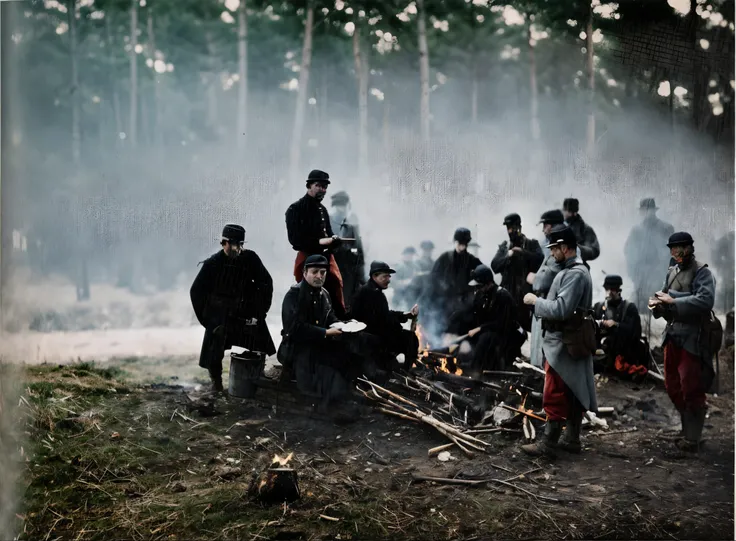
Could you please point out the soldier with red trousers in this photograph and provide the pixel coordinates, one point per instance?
(685, 303)
(310, 233)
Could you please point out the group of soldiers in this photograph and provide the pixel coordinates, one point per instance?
(545, 295)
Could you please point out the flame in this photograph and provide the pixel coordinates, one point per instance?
(422, 337)
(445, 367)
(281, 462)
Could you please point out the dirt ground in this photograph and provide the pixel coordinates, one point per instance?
(107, 458)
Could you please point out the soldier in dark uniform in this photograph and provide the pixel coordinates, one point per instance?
(371, 307)
(490, 321)
(231, 296)
(310, 233)
(646, 254)
(349, 255)
(448, 289)
(723, 260)
(514, 260)
(425, 261)
(587, 240)
(685, 302)
(311, 349)
(620, 330)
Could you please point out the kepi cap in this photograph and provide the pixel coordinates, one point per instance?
(316, 260)
(233, 233)
(480, 276)
(612, 281)
(378, 267)
(681, 238)
(562, 234)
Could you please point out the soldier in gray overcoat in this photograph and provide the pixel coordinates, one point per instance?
(569, 388)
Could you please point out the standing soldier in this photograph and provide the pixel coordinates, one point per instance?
(231, 296)
(426, 261)
(569, 388)
(723, 259)
(349, 256)
(310, 233)
(645, 253)
(685, 303)
(514, 260)
(541, 281)
(449, 279)
(585, 235)
(405, 273)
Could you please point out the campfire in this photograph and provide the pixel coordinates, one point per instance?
(277, 484)
(439, 361)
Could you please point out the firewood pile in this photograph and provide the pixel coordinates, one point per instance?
(466, 411)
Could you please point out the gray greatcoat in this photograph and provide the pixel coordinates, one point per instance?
(542, 282)
(572, 289)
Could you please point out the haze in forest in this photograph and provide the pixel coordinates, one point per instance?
(135, 168)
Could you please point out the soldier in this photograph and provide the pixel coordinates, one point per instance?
(541, 281)
(494, 335)
(569, 388)
(405, 273)
(449, 279)
(620, 330)
(426, 261)
(231, 296)
(723, 259)
(371, 307)
(323, 365)
(586, 237)
(349, 256)
(310, 233)
(645, 252)
(515, 259)
(685, 302)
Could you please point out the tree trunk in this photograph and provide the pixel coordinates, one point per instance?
(474, 98)
(156, 96)
(386, 127)
(533, 92)
(590, 139)
(213, 115)
(113, 83)
(361, 72)
(301, 98)
(700, 76)
(133, 120)
(423, 71)
(242, 74)
(76, 136)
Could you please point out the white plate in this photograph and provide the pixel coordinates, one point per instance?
(349, 326)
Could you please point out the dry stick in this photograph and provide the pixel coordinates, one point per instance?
(394, 395)
(436, 450)
(523, 412)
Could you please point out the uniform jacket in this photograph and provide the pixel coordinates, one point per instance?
(228, 292)
(371, 307)
(586, 237)
(307, 221)
(571, 290)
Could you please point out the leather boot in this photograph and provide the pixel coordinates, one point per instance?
(570, 440)
(547, 446)
(216, 379)
(692, 428)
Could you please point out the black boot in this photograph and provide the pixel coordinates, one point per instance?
(570, 441)
(692, 428)
(546, 447)
(216, 378)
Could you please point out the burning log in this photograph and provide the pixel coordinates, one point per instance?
(278, 484)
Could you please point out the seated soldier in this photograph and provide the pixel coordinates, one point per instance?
(620, 330)
(322, 363)
(371, 307)
(494, 334)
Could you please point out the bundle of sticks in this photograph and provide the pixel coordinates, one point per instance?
(396, 405)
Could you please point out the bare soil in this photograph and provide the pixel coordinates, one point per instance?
(112, 459)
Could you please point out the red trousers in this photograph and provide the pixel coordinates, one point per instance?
(333, 282)
(557, 398)
(683, 378)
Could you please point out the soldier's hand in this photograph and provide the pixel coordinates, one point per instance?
(664, 297)
(530, 278)
(327, 241)
(608, 323)
(530, 299)
(473, 332)
(516, 249)
(414, 310)
(333, 332)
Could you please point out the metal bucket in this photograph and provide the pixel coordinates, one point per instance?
(245, 370)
